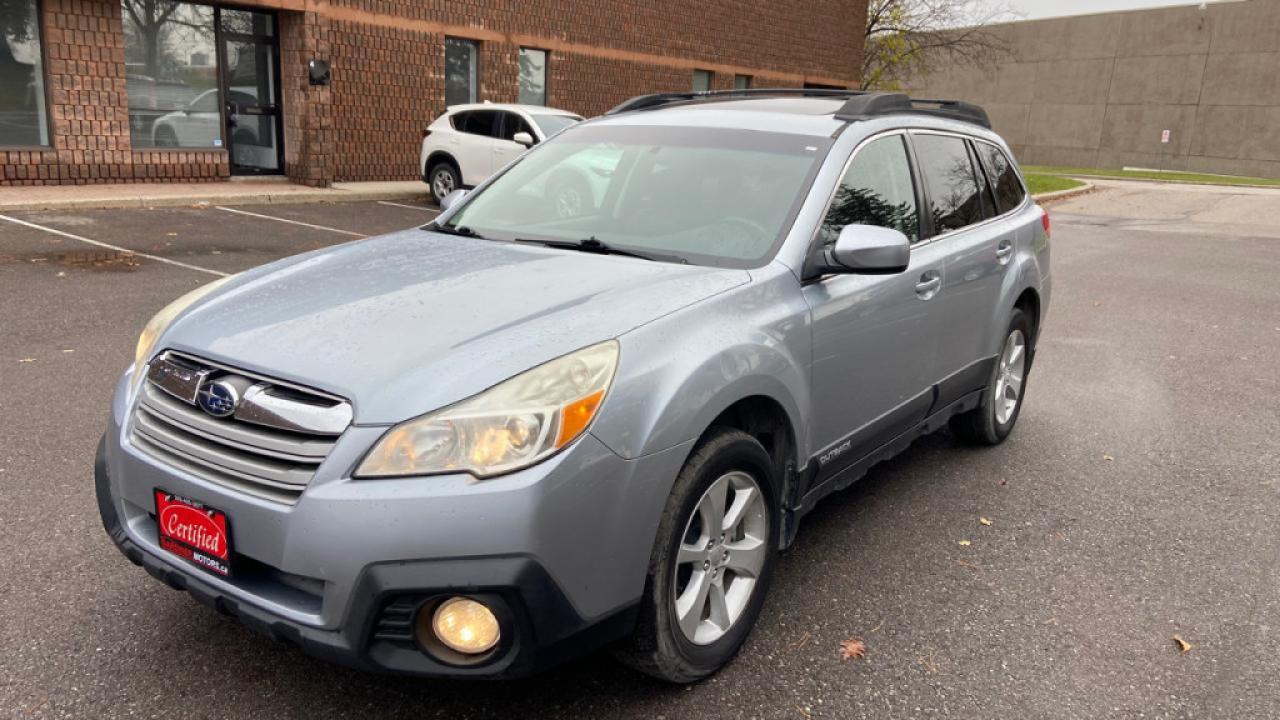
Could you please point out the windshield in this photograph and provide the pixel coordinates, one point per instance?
(552, 124)
(706, 196)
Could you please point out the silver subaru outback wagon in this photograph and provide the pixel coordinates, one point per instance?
(512, 436)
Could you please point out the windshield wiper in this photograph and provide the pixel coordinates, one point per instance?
(461, 230)
(600, 247)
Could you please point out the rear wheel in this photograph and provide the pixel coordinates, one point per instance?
(711, 562)
(443, 178)
(992, 421)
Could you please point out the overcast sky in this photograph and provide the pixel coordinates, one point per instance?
(1032, 9)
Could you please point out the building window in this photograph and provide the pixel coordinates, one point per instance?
(171, 74)
(533, 76)
(741, 82)
(461, 71)
(23, 120)
(702, 80)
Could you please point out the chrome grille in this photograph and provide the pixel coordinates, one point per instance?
(269, 447)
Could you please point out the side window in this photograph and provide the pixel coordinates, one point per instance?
(876, 190)
(512, 124)
(1008, 188)
(479, 122)
(985, 193)
(954, 198)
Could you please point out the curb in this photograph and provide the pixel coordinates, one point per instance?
(1170, 181)
(1067, 194)
(287, 198)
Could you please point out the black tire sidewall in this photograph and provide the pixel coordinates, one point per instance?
(740, 452)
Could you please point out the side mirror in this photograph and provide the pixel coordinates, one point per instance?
(869, 250)
(451, 199)
(523, 138)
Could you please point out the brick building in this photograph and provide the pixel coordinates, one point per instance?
(325, 91)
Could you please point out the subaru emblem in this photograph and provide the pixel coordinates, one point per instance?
(218, 398)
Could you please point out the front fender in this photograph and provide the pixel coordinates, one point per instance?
(678, 373)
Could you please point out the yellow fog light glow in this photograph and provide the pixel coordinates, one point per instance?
(466, 626)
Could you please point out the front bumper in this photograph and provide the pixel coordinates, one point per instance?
(561, 550)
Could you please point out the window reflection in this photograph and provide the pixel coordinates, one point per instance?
(171, 74)
(23, 122)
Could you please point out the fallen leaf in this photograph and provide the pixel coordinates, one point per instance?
(1108, 458)
(984, 521)
(804, 711)
(1183, 645)
(1097, 303)
(68, 350)
(172, 234)
(800, 643)
(62, 273)
(852, 649)
(878, 626)
(964, 543)
(1003, 482)
(27, 360)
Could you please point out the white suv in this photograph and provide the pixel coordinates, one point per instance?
(468, 143)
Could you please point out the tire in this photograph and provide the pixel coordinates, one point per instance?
(992, 421)
(570, 196)
(659, 646)
(165, 137)
(443, 178)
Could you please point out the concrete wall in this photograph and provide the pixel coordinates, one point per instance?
(1097, 90)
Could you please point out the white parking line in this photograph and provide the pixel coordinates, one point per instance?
(423, 208)
(291, 222)
(117, 248)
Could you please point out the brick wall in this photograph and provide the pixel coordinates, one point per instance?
(387, 58)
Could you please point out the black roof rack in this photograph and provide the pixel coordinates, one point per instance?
(869, 105)
(859, 104)
(645, 102)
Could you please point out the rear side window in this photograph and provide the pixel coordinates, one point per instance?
(876, 190)
(477, 122)
(1008, 188)
(954, 197)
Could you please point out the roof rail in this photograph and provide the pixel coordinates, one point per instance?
(871, 105)
(645, 102)
(859, 104)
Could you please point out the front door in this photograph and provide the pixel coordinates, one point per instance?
(250, 84)
(874, 336)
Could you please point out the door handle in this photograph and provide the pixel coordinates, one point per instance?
(928, 285)
(1004, 251)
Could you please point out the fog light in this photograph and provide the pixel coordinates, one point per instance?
(465, 626)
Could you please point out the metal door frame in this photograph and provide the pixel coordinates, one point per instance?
(275, 109)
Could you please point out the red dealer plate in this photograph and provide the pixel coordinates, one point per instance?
(194, 531)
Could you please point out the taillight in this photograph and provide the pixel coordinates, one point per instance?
(1044, 220)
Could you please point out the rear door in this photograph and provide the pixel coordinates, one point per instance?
(977, 248)
(874, 336)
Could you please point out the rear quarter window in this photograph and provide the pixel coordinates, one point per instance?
(1004, 176)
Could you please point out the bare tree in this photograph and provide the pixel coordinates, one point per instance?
(907, 38)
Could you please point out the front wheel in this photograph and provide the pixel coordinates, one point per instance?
(711, 562)
(992, 421)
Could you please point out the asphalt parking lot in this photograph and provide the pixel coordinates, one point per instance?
(1137, 500)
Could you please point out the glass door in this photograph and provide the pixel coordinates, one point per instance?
(250, 83)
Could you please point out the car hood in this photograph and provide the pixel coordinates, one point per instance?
(409, 322)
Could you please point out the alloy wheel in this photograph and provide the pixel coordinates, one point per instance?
(721, 555)
(442, 183)
(1010, 375)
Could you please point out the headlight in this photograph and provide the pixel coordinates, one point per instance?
(158, 324)
(508, 427)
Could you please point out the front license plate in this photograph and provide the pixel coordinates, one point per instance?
(194, 531)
